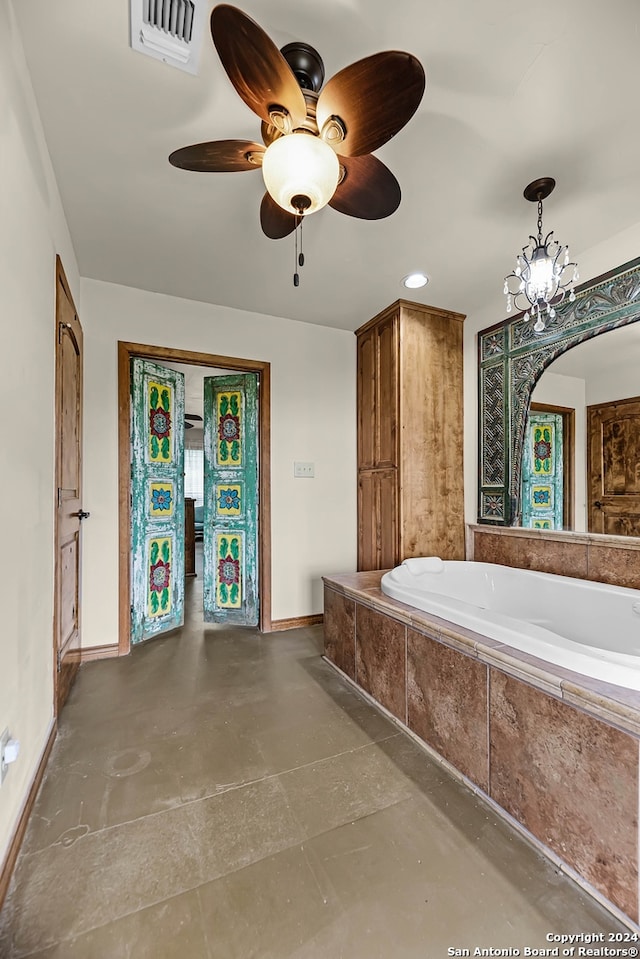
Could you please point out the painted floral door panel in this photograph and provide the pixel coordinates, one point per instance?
(230, 535)
(157, 500)
(542, 472)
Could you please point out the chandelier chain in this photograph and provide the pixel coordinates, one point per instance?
(539, 221)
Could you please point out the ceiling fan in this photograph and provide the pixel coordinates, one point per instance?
(317, 143)
(191, 416)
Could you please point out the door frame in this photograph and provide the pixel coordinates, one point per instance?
(568, 415)
(126, 352)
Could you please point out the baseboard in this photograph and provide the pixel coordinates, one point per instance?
(279, 624)
(90, 653)
(15, 844)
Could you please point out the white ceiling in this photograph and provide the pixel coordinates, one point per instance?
(513, 93)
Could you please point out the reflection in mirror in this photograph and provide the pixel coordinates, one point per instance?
(596, 485)
(512, 359)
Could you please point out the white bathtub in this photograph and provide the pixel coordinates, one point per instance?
(591, 628)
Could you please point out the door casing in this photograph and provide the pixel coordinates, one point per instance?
(160, 354)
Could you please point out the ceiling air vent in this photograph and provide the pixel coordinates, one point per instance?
(169, 30)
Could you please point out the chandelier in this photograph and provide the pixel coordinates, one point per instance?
(543, 273)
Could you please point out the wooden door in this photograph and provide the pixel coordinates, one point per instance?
(69, 514)
(157, 500)
(377, 519)
(230, 534)
(543, 472)
(613, 449)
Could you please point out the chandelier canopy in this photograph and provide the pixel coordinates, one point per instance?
(543, 274)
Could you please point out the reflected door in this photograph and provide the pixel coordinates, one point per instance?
(613, 446)
(542, 472)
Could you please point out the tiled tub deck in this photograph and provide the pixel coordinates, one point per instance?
(557, 751)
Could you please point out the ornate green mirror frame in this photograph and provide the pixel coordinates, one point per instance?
(511, 360)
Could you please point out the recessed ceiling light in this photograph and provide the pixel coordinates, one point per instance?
(413, 281)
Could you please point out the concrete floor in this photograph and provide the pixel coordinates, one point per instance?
(223, 795)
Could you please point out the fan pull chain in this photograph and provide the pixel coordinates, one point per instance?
(299, 261)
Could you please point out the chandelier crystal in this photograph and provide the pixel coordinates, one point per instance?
(543, 274)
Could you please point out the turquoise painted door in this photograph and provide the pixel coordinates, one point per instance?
(230, 536)
(542, 472)
(157, 500)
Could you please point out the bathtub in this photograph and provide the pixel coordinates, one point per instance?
(591, 628)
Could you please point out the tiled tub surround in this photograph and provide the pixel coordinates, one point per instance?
(556, 751)
(592, 556)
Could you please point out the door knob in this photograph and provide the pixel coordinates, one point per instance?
(82, 514)
(598, 504)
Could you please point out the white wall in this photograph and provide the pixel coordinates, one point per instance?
(605, 256)
(613, 383)
(32, 230)
(313, 386)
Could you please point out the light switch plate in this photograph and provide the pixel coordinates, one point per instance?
(305, 470)
(4, 769)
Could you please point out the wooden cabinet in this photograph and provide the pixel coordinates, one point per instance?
(410, 436)
(189, 538)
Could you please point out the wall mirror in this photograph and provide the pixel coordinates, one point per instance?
(563, 367)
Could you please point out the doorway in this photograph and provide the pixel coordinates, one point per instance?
(548, 490)
(126, 353)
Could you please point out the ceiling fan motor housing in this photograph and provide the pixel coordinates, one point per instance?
(306, 64)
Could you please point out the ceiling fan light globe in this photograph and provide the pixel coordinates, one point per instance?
(300, 165)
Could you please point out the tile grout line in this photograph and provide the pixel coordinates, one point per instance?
(298, 843)
(231, 788)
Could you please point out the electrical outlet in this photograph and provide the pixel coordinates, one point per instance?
(305, 470)
(4, 769)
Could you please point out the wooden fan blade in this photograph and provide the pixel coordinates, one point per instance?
(261, 75)
(275, 221)
(373, 98)
(368, 191)
(219, 156)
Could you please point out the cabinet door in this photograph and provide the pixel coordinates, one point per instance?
(367, 521)
(386, 390)
(387, 513)
(377, 521)
(366, 399)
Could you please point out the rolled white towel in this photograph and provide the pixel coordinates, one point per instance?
(424, 564)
